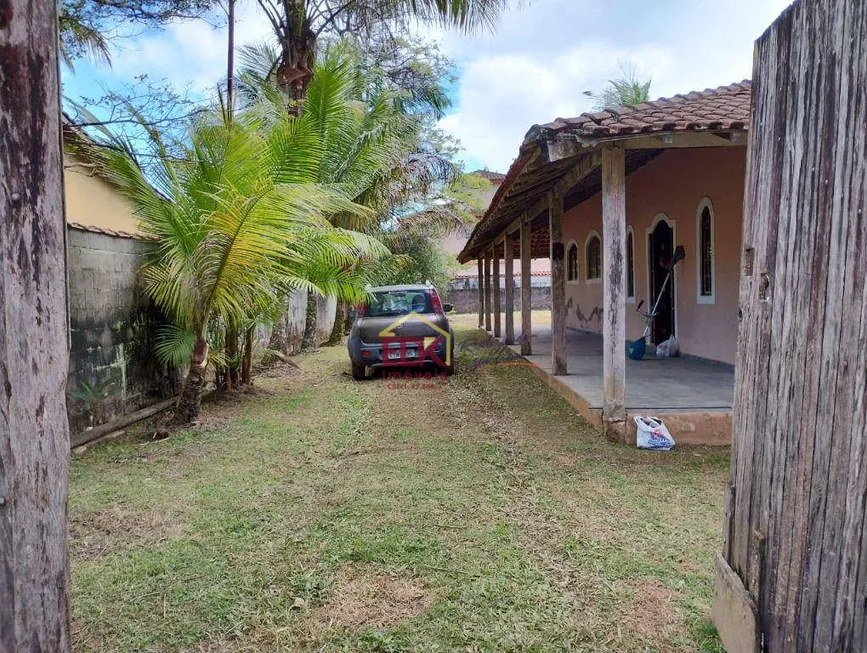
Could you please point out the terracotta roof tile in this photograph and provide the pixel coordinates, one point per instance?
(495, 177)
(726, 107)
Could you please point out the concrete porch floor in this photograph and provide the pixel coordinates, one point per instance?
(693, 397)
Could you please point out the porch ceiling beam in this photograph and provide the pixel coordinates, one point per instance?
(676, 140)
(561, 146)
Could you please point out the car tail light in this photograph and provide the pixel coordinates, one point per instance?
(435, 301)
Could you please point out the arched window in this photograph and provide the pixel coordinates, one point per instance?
(630, 265)
(572, 262)
(593, 256)
(704, 228)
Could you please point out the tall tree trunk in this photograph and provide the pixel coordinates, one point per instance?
(279, 340)
(34, 358)
(230, 61)
(337, 330)
(247, 367)
(190, 400)
(309, 340)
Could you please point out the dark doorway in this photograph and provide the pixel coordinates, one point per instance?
(661, 248)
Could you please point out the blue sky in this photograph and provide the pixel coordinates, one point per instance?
(536, 66)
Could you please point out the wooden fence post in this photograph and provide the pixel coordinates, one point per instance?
(794, 573)
(34, 354)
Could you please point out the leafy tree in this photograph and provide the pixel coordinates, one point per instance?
(235, 217)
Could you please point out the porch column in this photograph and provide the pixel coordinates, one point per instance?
(613, 295)
(496, 285)
(558, 285)
(526, 288)
(481, 284)
(487, 292)
(510, 289)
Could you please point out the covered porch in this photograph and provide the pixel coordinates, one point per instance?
(581, 168)
(693, 396)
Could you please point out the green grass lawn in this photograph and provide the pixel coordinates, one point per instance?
(475, 514)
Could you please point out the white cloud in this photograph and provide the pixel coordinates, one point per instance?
(190, 54)
(501, 96)
(543, 56)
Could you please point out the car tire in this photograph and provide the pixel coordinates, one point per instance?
(359, 372)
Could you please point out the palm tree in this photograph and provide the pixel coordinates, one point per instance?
(626, 89)
(371, 148)
(298, 24)
(235, 218)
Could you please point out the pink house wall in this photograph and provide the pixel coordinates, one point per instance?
(674, 185)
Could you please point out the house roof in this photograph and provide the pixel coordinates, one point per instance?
(493, 177)
(725, 107)
(550, 151)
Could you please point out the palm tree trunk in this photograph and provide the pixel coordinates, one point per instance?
(231, 357)
(230, 72)
(190, 400)
(309, 340)
(337, 330)
(279, 340)
(247, 367)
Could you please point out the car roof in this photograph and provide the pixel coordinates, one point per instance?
(408, 286)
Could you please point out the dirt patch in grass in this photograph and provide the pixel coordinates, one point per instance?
(650, 614)
(115, 528)
(366, 596)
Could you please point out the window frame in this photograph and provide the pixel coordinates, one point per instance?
(569, 246)
(590, 236)
(630, 232)
(709, 299)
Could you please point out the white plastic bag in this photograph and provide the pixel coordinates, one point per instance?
(651, 433)
(667, 349)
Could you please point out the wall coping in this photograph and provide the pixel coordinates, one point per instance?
(111, 232)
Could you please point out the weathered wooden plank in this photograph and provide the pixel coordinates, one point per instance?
(498, 314)
(526, 289)
(34, 360)
(614, 292)
(481, 281)
(487, 291)
(509, 307)
(799, 474)
(558, 285)
(122, 422)
(734, 611)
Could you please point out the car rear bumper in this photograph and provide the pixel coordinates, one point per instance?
(411, 354)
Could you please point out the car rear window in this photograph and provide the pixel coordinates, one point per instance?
(393, 303)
